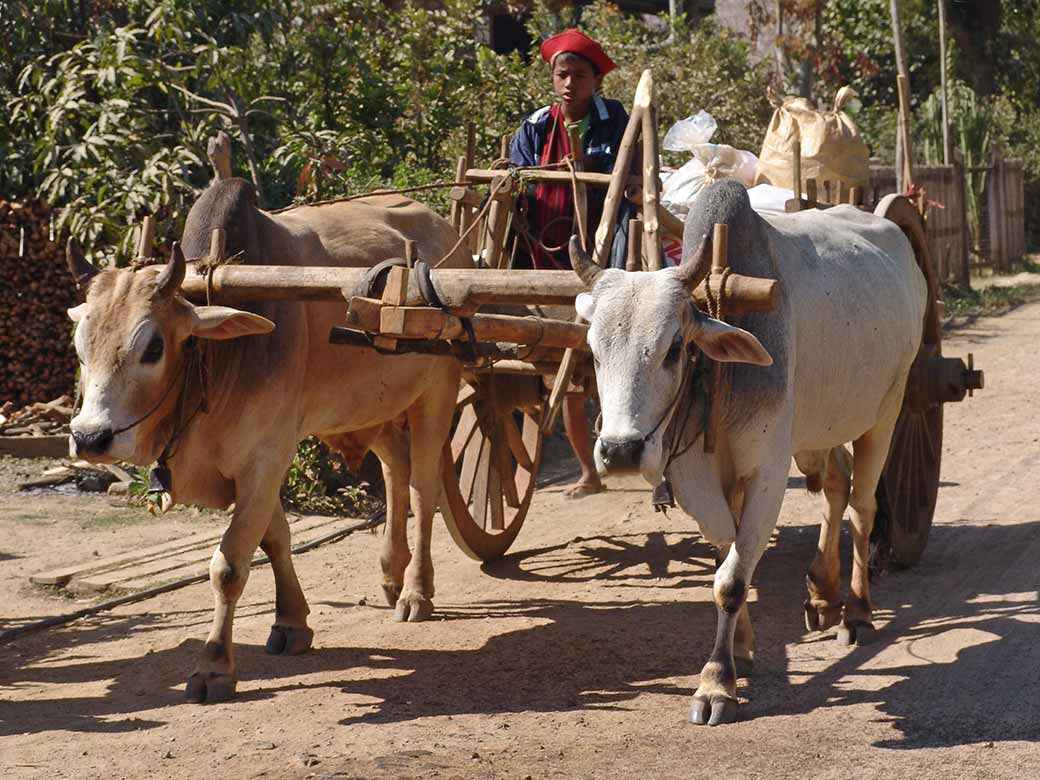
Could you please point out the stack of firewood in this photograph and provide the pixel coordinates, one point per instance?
(37, 359)
(38, 419)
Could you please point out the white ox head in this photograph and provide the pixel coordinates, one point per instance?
(130, 339)
(643, 330)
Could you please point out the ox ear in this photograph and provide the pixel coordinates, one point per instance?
(728, 344)
(76, 313)
(220, 322)
(585, 305)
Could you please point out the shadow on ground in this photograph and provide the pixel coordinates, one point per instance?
(603, 653)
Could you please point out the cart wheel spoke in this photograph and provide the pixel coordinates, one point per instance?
(489, 483)
(464, 431)
(517, 444)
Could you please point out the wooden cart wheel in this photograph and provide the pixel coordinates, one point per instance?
(909, 485)
(491, 461)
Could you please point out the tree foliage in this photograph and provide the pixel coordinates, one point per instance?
(110, 110)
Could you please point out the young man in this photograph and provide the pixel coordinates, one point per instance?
(578, 65)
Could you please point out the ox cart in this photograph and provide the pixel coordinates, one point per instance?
(519, 362)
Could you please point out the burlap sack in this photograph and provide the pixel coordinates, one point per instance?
(832, 149)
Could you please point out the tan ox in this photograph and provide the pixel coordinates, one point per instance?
(226, 395)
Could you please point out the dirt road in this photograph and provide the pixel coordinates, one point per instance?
(576, 655)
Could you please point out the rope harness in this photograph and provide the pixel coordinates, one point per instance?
(663, 497)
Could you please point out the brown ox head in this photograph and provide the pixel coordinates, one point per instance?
(131, 339)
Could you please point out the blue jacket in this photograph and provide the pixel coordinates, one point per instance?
(601, 140)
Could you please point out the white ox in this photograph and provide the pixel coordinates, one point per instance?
(827, 366)
(271, 378)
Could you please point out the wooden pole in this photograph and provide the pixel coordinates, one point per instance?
(942, 79)
(457, 207)
(471, 144)
(634, 260)
(217, 242)
(902, 151)
(651, 181)
(497, 222)
(147, 237)
(620, 175)
(796, 161)
(581, 198)
(458, 288)
(487, 175)
(904, 131)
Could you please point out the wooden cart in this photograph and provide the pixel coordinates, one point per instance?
(518, 367)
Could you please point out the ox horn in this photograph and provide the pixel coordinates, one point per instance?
(82, 270)
(172, 274)
(582, 264)
(696, 265)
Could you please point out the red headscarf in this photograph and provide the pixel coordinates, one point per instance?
(578, 42)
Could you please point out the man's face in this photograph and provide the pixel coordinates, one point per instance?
(574, 80)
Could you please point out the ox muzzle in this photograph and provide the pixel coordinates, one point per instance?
(621, 457)
(92, 442)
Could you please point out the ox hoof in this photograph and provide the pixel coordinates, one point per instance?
(391, 593)
(744, 667)
(287, 640)
(858, 632)
(820, 618)
(210, 687)
(412, 609)
(713, 711)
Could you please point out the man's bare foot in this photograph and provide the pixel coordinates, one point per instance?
(584, 488)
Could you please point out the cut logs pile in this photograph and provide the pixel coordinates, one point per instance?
(37, 359)
(37, 419)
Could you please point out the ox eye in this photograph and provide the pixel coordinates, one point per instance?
(672, 357)
(154, 351)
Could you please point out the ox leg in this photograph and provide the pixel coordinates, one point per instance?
(214, 678)
(823, 580)
(743, 634)
(392, 449)
(715, 700)
(869, 454)
(429, 420)
(290, 634)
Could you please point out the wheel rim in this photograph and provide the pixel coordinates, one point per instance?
(909, 486)
(489, 467)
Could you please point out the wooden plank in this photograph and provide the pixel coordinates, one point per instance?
(142, 571)
(35, 446)
(201, 567)
(396, 291)
(364, 314)
(61, 576)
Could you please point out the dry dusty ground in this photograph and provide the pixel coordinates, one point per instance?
(576, 655)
